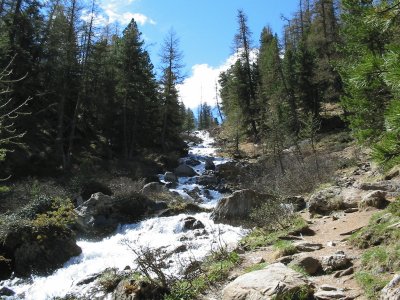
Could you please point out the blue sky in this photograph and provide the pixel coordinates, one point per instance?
(206, 30)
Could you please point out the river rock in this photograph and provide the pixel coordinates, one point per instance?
(375, 199)
(192, 162)
(309, 264)
(207, 180)
(5, 291)
(39, 250)
(209, 164)
(101, 214)
(392, 290)
(184, 170)
(5, 268)
(236, 208)
(276, 281)
(170, 177)
(191, 223)
(334, 262)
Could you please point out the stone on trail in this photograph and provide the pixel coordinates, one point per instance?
(307, 263)
(392, 290)
(276, 281)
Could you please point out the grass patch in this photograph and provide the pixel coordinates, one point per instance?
(260, 237)
(284, 248)
(371, 284)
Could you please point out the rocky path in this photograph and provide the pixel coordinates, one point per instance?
(332, 263)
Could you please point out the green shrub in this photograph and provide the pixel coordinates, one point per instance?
(61, 214)
(284, 248)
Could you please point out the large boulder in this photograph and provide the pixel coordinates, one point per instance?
(191, 223)
(228, 171)
(334, 262)
(327, 201)
(154, 188)
(101, 214)
(276, 281)
(375, 199)
(184, 170)
(209, 164)
(307, 263)
(170, 177)
(392, 290)
(207, 180)
(38, 250)
(236, 208)
(5, 268)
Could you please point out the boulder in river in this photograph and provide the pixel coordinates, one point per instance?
(170, 177)
(191, 223)
(184, 170)
(276, 281)
(38, 250)
(154, 187)
(101, 214)
(236, 208)
(209, 165)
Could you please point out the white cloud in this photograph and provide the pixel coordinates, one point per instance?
(118, 11)
(200, 86)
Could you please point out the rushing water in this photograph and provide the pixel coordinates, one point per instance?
(115, 252)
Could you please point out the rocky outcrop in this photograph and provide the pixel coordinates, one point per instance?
(38, 250)
(337, 261)
(328, 200)
(101, 214)
(392, 290)
(184, 170)
(236, 208)
(276, 281)
(5, 268)
(207, 180)
(375, 199)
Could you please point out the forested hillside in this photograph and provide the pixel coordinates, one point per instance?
(343, 54)
(72, 91)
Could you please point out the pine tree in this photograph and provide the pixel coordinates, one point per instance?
(171, 58)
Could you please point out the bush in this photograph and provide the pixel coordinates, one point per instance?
(272, 215)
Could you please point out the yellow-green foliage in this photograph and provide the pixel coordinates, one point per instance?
(285, 248)
(62, 214)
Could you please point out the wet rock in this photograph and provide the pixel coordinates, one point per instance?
(185, 171)
(191, 223)
(309, 264)
(89, 279)
(5, 291)
(101, 214)
(207, 180)
(192, 162)
(92, 187)
(337, 261)
(392, 290)
(276, 281)
(5, 268)
(375, 199)
(209, 164)
(39, 250)
(154, 188)
(307, 247)
(179, 249)
(236, 208)
(170, 177)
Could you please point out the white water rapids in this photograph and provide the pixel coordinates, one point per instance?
(112, 252)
